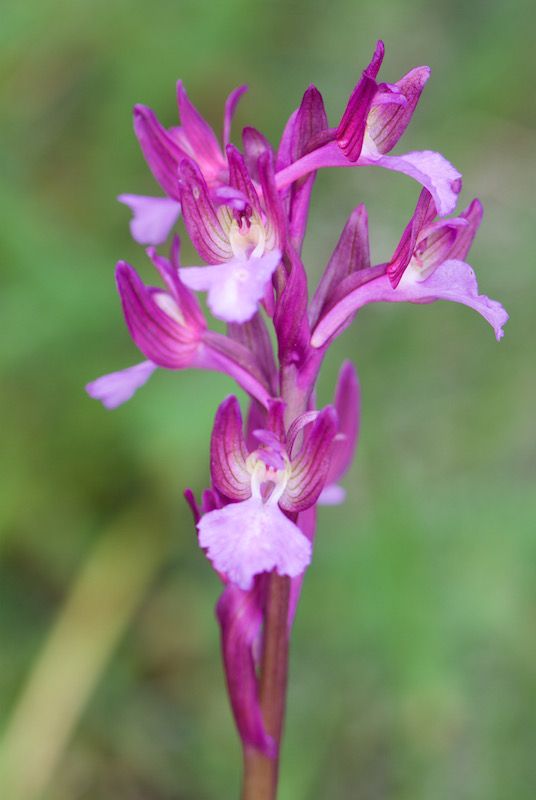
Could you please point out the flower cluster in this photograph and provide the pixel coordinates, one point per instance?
(246, 212)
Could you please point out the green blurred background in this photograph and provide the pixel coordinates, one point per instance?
(413, 671)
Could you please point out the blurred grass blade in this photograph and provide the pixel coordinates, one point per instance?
(95, 614)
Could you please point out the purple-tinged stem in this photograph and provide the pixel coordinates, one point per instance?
(260, 771)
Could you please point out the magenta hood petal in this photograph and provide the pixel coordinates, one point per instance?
(387, 121)
(200, 217)
(155, 321)
(310, 467)
(351, 254)
(351, 130)
(161, 151)
(228, 452)
(200, 135)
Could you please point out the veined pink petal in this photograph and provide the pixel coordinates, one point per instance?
(155, 321)
(200, 135)
(247, 538)
(228, 452)
(153, 217)
(239, 177)
(351, 254)
(161, 151)
(423, 215)
(453, 280)
(310, 467)
(199, 214)
(234, 288)
(351, 130)
(464, 237)
(118, 387)
(387, 121)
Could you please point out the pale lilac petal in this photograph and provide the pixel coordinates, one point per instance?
(453, 280)
(428, 168)
(245, 539)
(118, 387)
(153, 217)
(332, 495)
(235, 288)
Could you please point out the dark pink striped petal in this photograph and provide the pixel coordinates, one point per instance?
(228, 452)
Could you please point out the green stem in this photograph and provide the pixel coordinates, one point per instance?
(260, 771)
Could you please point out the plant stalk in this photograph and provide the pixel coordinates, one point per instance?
(260, 771)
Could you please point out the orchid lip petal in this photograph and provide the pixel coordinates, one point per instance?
(234, 288)
(116, 388)
(152, 217)
(250, 537)
(453, 280)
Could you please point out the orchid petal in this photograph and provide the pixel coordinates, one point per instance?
(424, 213)
(332, 495)
(387, 121)
(247, 538)
(200, 216)
(428, 168)
(153, 217)
(200, 135)
(234, 288)
(310, 467)
(161, 151)
(452, 280)
(228, 452)
(118, 387)
(464, 238)
(351, 130)
(351, 254)
(155, 322)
